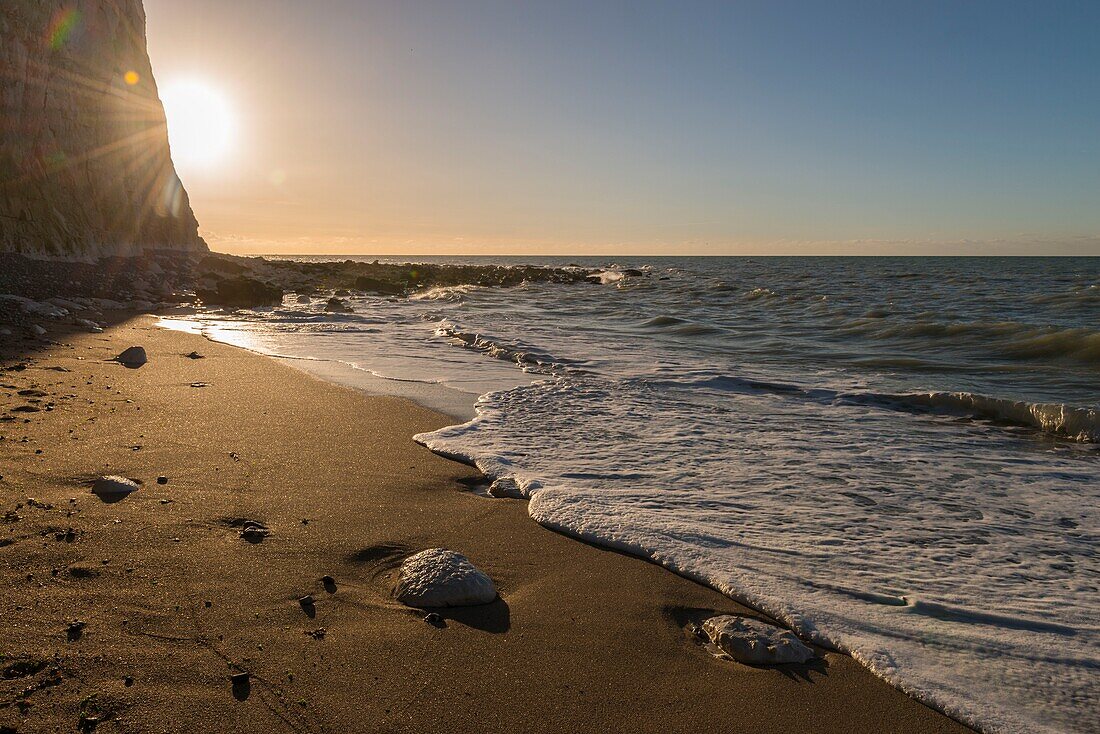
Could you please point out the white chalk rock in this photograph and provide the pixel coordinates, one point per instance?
(114, 486)
(443, 578)
(753, 642)
(133, 357)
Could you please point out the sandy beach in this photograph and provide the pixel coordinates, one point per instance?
(132, 616)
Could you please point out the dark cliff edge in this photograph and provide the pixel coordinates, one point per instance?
(85, 167)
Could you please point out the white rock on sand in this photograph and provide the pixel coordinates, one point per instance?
(753, 642)
(443, 578)
(133, 357)
(114, 486)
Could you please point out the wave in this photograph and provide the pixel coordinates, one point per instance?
(1016, 340)
(524, 357)
(657, 321)
(683, 327)
(758, 293)
(444, 293)
(1057, 419)
(1078, 424)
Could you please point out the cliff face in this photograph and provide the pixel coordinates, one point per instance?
(85, 168)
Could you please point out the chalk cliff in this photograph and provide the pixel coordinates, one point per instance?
(85, 169)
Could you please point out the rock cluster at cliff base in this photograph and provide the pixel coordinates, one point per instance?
(443, 578)
(753, 642)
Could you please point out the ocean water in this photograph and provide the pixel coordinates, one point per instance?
(897, 457)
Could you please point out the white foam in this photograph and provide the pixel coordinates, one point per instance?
(951, 559)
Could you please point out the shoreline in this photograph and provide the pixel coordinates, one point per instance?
(581, 635)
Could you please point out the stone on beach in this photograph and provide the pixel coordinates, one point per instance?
(114, 486)
(133, 357)
(89, 326)
(335, 305)
(443, 578)
(753, 642)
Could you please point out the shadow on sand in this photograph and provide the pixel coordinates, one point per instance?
(495, 618)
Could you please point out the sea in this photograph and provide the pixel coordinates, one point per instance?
(897, 457)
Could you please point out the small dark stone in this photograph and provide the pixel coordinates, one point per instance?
(307, 601)
(240, 679)
(128, 681)
(162, 480)
(75, 630)
(329, 583)
(255, 532)
(435, 620)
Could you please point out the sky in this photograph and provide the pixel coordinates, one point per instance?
(598, 127)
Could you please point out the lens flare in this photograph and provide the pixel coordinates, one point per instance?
(62, 27)
(132, 78)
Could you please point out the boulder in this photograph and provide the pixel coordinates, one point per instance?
(335, 305)
(443, 578)
(753, 642)
(241, 292)
(384, 287)
(215, 264)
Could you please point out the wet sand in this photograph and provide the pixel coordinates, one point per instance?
(171, 601)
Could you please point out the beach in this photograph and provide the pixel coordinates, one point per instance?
(133, 615)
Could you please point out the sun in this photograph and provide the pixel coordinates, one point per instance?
(202, 125)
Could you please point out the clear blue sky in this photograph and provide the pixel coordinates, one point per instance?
(403, 126)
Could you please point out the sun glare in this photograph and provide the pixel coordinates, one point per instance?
(202, 125)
